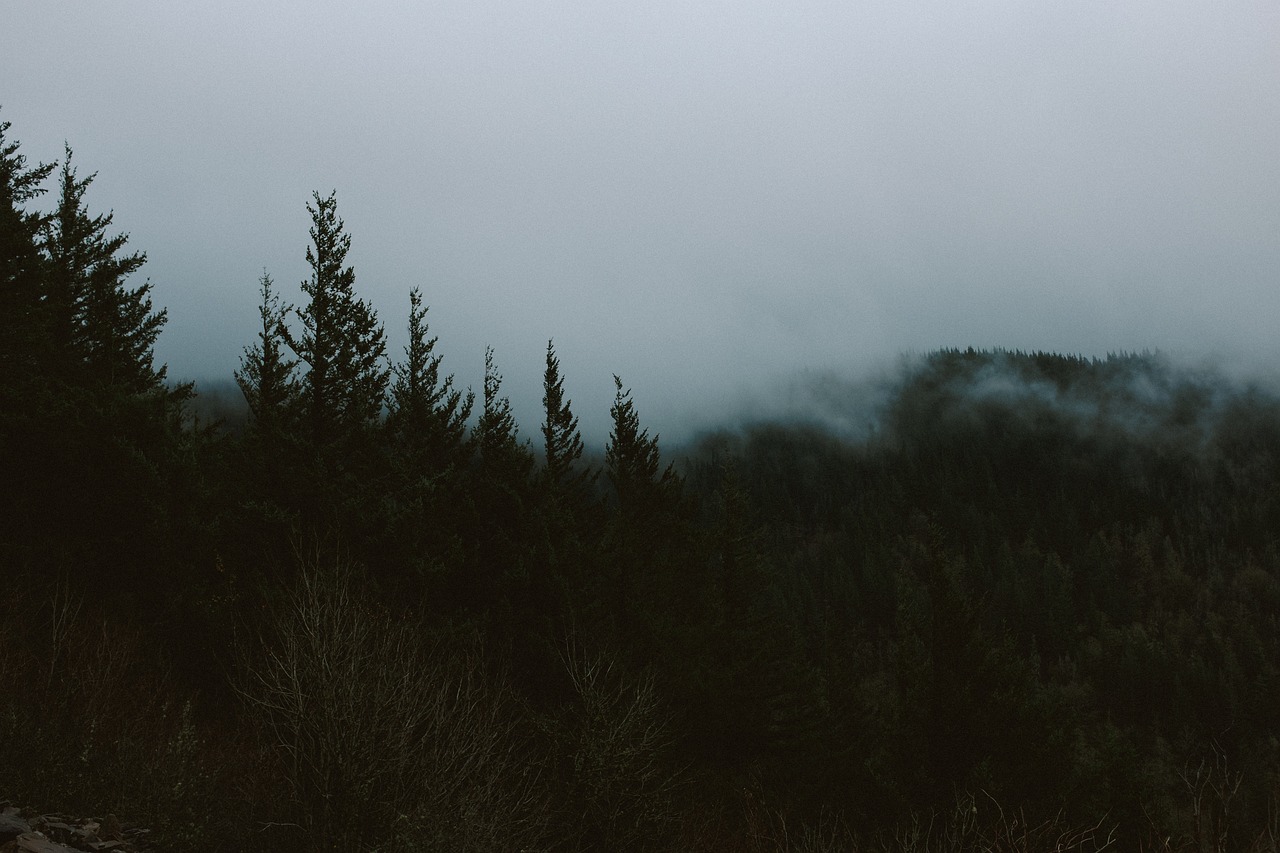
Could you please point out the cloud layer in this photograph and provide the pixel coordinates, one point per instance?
(702, 197)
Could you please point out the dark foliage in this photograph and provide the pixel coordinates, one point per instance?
(1043, 581)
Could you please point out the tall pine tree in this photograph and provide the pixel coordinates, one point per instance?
(426, 416)
(342, 391)
(632, 461)
(561, 439)
(23, 330)
(105, 420)
(426, 431)
(267, 374)
(564, 582)
(26, 398)
(103, 331)
(498, 438)
(270, 466)
(498, 575)
(639, 536)
(342, 343)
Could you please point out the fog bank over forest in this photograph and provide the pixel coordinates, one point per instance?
(855, 405)
(704, 201)
(989, 583)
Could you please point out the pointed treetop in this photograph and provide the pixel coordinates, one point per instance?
(632, 460)
(266, 374)
(496, 431)
(18, 184)
(341, 341)
(24, 338)
(562, 440)
(424, 409)
(106, 330)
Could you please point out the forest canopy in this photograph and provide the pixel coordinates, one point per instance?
(1043, 591)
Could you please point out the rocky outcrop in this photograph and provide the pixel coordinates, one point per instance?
(12, 824)
(52, 833)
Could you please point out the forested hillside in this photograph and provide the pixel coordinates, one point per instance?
(1035, 607)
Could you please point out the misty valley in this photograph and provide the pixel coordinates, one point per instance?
(1033, 606)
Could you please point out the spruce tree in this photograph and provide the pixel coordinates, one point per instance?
(23, 331)
(341, 342)
(426, 431)
(426, 415)
(28, 403)
(632, 460)
(564, 580)
(271, 471)
(640, 533)
(266, 375)
(496, 432)
(562, 440)
(102, 331)
(500, 492)
(105, 419)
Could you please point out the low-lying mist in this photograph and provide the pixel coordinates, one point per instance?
(1151, 398)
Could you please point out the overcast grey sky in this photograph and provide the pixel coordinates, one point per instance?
(704, 197)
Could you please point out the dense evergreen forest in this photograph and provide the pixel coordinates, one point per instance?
(1036, 607)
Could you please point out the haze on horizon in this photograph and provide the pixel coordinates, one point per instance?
(705, 198)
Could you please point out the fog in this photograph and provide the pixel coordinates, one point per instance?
(708, 199)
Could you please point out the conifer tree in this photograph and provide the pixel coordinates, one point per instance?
(23, 339)
(271, 471)
(426, 413)
(562, 440)
(496, 431)
(101, 329)
(564, 580)
(426, 430)
(341, 342)
(632, 460)
(266, 374)
(26, 397)
(638, 537)
(108, 432)
(497, 575)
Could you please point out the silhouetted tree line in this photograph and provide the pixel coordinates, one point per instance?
(378, 616)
